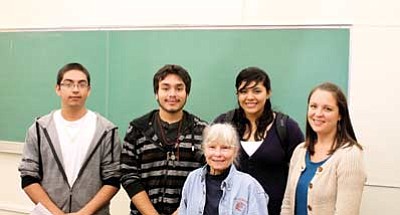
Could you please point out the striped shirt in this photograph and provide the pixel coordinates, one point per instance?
(149, 165)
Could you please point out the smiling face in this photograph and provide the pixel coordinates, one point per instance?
(171, 95)
(219, 156)
(73, 89)
(323, 113)
(252, 98)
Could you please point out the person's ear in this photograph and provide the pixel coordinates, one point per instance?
(89, 90)
(269, 94)
(57, 88)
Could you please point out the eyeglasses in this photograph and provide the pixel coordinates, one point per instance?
(71, 86)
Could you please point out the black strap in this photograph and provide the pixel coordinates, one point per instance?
(229, 116)
(39, 151)
(112, 144)
(280, 124)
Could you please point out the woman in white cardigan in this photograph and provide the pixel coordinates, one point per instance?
(326, 175)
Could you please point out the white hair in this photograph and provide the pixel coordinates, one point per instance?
(223, 133)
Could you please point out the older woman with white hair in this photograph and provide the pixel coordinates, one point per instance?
(218, 188)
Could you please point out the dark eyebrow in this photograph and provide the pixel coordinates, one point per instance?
(70, 80)
(167, 84)
(67, 80)
(249, 88)
(252, 86)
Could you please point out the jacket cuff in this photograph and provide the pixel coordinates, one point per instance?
(28, 180)
(112, 182)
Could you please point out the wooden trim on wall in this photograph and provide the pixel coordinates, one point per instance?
(11, 147)
(14, 208)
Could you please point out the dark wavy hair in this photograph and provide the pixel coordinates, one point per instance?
(345, 132)
(169, 69)
(248, 76)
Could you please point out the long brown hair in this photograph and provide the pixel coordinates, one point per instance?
(345, 132)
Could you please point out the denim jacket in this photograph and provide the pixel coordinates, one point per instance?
(242, 194)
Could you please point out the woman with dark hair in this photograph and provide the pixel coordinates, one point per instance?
(268, 138)
(326, 173)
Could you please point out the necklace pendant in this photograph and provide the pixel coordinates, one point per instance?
(173, 157)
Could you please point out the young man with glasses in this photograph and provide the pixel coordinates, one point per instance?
(162, 147)
(70, 162)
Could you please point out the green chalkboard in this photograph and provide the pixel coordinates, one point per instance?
(122, 64)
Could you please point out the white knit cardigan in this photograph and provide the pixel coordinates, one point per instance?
(336, 188)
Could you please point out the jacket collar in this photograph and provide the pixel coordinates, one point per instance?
(103, 124)
(228, 182)
(145, 124)
(48, 124)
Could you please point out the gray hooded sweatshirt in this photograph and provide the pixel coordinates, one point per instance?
(42, 163)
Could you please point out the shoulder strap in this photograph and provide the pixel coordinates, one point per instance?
(39, 151)
(229, 116)
(280, 124)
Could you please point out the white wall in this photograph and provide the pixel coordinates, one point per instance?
(375, 101)
(28, 14)
(12, 198)
(374, 66)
